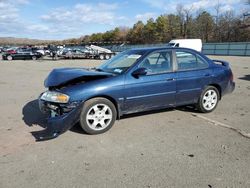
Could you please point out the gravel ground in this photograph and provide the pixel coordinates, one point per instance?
(170, 148)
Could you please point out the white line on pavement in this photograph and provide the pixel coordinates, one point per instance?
(243, 133)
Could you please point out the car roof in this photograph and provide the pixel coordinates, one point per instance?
(151, 49)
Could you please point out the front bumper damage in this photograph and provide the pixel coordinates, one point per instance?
(62, 117)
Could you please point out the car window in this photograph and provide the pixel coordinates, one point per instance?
(189, 61)
(158, 62)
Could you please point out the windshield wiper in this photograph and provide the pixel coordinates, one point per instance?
(98, 69)
(101, 70)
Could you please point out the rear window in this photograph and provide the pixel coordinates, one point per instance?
(189, 61)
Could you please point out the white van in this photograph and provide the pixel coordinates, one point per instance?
(194, 44)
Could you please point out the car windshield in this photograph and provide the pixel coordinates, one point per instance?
(121, 62)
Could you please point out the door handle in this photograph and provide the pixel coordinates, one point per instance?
(170, 79)
(207, 74)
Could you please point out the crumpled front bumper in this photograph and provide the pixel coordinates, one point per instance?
(56, 123)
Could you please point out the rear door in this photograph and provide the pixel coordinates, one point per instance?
(156, 89)
(18, 55)
(27, 54)
(193, 74)
(22, 54)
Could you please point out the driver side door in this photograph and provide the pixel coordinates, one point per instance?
(156, 89)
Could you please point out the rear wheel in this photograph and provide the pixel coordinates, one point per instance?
(9, 58)
(208, 100)
(101, 56)
(98, 115)
(107, 56)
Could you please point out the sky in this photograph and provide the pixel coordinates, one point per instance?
(62, 19)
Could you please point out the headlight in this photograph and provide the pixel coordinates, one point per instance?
(53, 96)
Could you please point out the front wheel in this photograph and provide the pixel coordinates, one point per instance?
(9, 58)
(208, 100)
(34, 58)
(98, 116)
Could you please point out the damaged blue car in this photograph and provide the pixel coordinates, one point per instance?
(133, 81)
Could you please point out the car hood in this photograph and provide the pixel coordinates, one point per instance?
(65, 76)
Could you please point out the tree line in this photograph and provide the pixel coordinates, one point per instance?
(221, 27)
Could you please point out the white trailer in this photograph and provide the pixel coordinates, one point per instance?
(195, 44)
(99, 52)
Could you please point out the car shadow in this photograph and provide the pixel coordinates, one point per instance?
(77, 128)
(138, 114)
(246, 77)
(189, 108)
(32, 116)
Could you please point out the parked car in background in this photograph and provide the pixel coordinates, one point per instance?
(38, 50)
(195, 44)
(62, 52)
(22, 54)
(133, 81)
(76, 54)
(11, 50)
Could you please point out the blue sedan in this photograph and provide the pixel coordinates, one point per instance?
(133, 81)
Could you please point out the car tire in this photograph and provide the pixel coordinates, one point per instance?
(208, 100)
(98, 116)
(107, 56)
(9, 58)
(101, 57)
(34, 58)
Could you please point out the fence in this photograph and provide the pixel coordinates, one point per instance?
(117, 48)
(230, 48)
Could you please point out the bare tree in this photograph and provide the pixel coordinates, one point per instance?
(184, 13)
(217, 8)
(188, 17)
(217, 31)
(180, 14)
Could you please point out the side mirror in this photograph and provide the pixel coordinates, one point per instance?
(139, 72)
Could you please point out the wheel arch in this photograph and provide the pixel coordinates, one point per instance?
(218, 87)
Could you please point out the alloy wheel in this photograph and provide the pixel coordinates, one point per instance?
(209, 100)
(99, 117)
